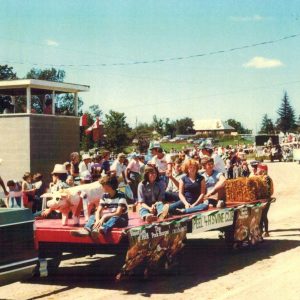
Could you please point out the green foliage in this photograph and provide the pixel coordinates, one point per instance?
(116, 130)
(6, 73)
(267, 125)
(184, 126)
(158, 125)
(239, 128)
(95, 110)
(287, 120)
(46, 74)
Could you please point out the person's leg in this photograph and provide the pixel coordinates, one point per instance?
(18, 200)
(118, 222)
(174, 206)
(90, 223)
(199, 207)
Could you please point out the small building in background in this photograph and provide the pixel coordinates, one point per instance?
(212, 127)
(32, 142)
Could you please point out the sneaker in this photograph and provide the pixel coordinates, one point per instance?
(80, 233)
(95, 234)
(165, 212)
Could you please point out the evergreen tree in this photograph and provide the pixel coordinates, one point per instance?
(267, 125)
(286, 121)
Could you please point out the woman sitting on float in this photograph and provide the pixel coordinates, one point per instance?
(191, 190)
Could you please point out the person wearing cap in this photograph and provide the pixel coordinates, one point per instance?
(262, 170)
(151, 196)
(85, 164)
(59, 175)
(118, 169)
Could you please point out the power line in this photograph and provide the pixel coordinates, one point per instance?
(163, 60)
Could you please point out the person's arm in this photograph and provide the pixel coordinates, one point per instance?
(175, 181)
(141, 197)
(181, 195)
(203, 192)
(219, 185)
(3, 187)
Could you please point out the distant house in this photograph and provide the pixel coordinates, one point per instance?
(212, 127)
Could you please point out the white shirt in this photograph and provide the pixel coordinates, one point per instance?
(83, 167)
(118, 168)
(219, 163)
(160, 163)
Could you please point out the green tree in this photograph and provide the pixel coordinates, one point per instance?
(184, 126)
(116, 130)
(158, 125)
(239, 128)
(287, 120)
(6, 73)
(170, 128)
(46, 74)
(267, 125)
(95, 110)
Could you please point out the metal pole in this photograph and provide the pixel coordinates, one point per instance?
(28, 98)
(53, 102)
(76, 104)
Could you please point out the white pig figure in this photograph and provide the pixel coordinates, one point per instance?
(67, 200)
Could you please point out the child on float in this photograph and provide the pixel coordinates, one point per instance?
(111, 212)
(14, 198)
(262, 170)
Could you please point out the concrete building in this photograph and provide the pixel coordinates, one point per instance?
(35, 142)
(212, 127)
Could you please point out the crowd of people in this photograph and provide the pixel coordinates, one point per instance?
(160, 184)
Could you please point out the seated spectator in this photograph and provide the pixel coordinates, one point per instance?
(214, 181)
(172, 190)
(103, 221)
(151, 196)
(70, 181)
(191, 190)
(40, 189)
(59, 175)
(28, 190)
(85, 177)
(13, 200)
(48, 106)
(74, 157)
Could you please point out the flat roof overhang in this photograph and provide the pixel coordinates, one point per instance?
(39, 87)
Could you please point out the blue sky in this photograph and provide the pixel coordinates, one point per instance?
(242, 84)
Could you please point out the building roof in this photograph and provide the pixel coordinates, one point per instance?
(39, 87)
(212, 125)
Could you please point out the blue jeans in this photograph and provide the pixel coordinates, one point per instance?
(14, 200)
(119, 222)
(180, 204)
(143, 212)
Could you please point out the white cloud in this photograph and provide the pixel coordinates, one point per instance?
(52, 43)
(254, 18)
(259, 62)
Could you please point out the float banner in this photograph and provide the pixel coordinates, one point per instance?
(247, 223)
(213, 220)
(148, 244)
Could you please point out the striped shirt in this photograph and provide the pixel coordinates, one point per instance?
(112, 203)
